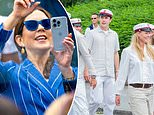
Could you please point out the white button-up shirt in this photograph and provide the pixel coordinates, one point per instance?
(134, 70)
(103, 45)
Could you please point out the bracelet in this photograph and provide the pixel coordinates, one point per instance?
(93, 77)
(69, 79)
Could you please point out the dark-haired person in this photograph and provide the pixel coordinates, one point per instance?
(136, 66)
(103, 44)
(94, 20)
(25, 83)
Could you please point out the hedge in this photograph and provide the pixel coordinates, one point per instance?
(126, 14)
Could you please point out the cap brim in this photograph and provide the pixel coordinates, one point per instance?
(77, 24)
(146, 29)
(105, 15)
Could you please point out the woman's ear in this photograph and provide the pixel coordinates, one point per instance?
(110, 20)
(19, 40)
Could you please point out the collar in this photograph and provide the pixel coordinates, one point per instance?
(100, 30)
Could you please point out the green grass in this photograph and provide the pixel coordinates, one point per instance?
(126, 13)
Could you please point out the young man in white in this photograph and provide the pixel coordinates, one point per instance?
(103, 44)
(80, 104)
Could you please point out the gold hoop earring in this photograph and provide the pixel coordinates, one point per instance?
(22, 50)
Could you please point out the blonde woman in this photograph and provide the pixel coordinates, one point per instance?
(152, 43)
(137, 66)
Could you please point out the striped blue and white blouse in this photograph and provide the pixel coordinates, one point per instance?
(25, 85)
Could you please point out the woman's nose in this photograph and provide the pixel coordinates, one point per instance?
(40, 27)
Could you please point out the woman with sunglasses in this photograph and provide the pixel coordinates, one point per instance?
(25, 84)
(137, 67)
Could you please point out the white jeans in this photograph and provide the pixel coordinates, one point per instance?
(141, 100)
(103, 95)
(79, 105)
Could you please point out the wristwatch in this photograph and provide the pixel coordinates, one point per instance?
(93, 76)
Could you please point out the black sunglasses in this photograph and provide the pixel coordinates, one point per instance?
(32, 25)
(77, 25)
(93, 18)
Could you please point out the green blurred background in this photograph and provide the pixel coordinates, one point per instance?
(6, 7)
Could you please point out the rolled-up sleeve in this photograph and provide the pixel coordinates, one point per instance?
(117, 46)
(123, 72)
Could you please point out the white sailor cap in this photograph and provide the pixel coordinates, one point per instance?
(105, 12)
(142, 27)
(75, 20)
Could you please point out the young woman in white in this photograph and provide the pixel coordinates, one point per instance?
(137, 67)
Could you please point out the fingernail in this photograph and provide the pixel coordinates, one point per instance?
(38, 2)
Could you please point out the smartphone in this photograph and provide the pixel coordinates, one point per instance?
(59, 28)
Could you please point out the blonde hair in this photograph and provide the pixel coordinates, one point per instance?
(138, 49)
(152, 40)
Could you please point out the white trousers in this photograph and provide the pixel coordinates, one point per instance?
(153, 102)
(102, 96)
(80, 105)
(141, 100)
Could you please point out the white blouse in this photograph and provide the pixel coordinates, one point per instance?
(134, 70)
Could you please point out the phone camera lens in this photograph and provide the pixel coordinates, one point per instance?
(54, 20)
(54, 25)
(58, 22)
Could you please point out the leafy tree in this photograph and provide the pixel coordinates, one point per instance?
(126, 14)
(67, 3)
